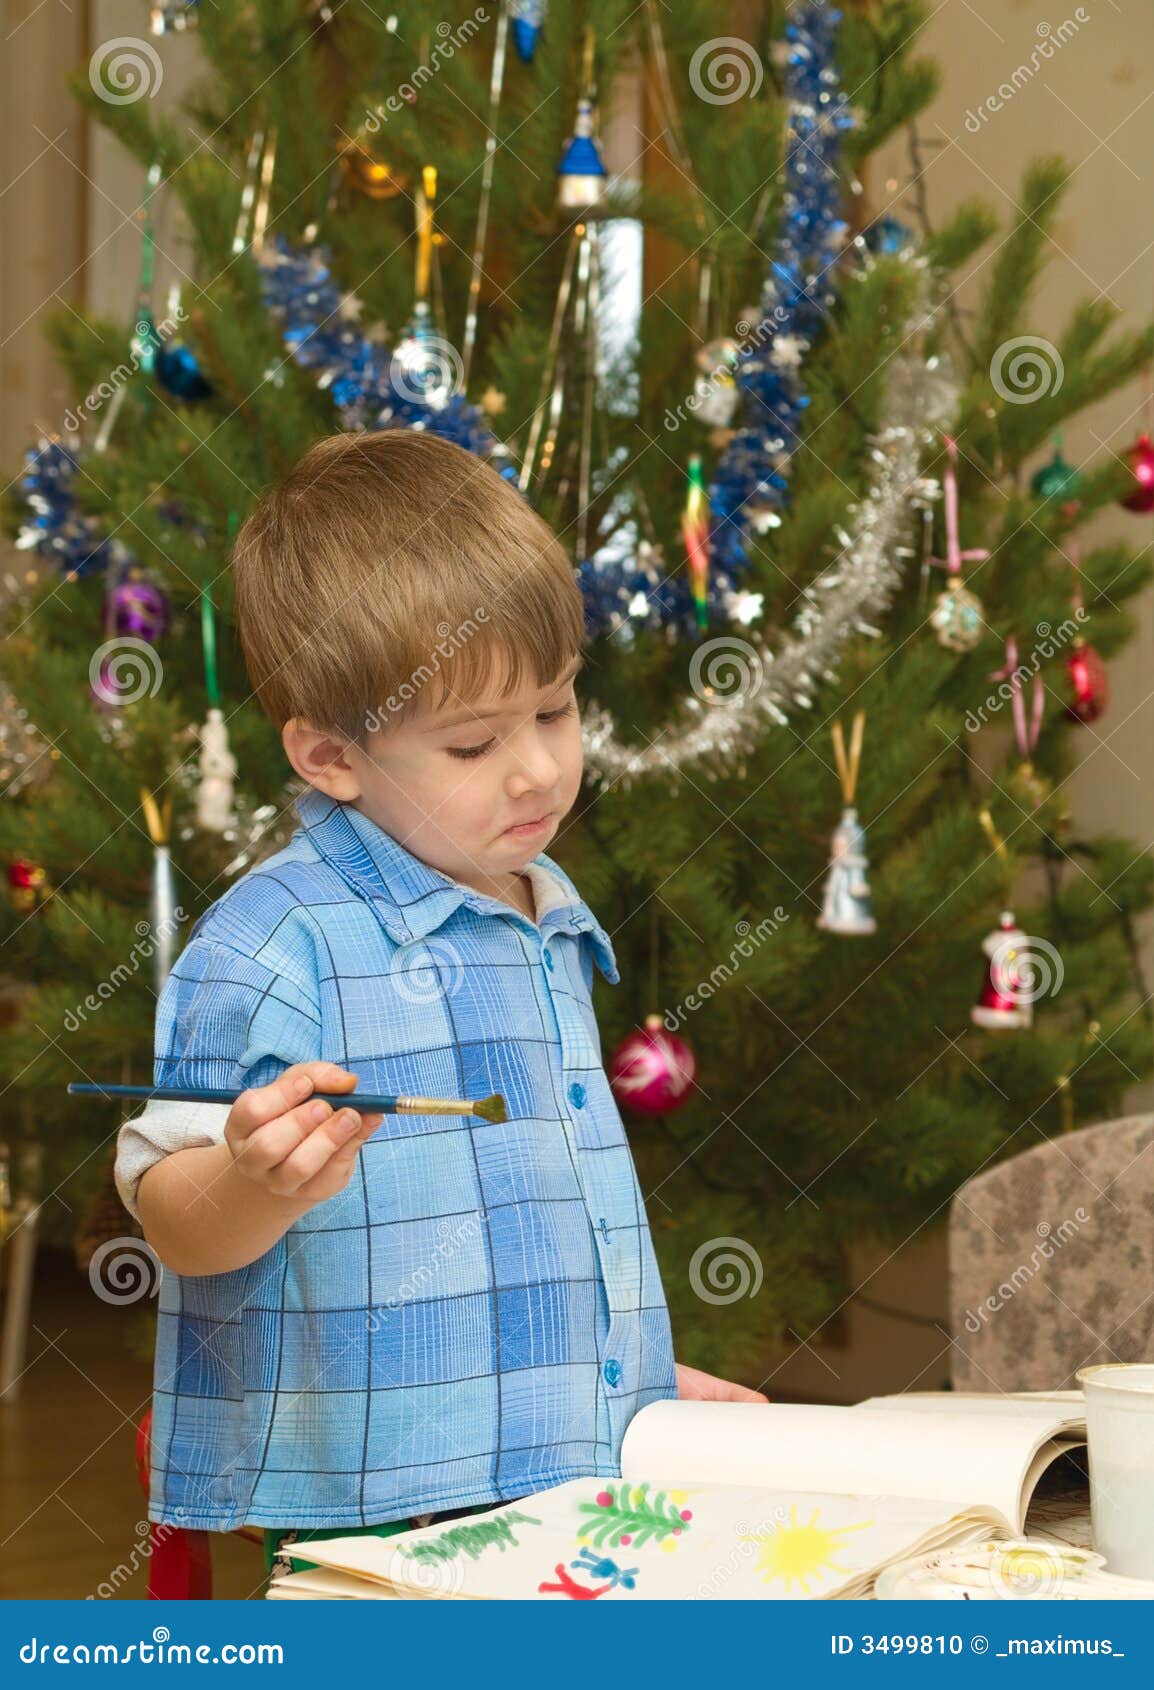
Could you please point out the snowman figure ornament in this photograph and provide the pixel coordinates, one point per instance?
(214, 794)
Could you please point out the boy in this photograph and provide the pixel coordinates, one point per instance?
(369, 1320)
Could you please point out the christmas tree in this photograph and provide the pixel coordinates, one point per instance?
(745, 398)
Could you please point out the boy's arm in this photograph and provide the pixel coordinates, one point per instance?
(229, 1020)
(695, 1386)
(214, 1208)
(201, 1216)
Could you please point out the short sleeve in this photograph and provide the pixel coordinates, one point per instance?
(224, 1021)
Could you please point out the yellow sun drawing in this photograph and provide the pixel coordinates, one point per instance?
(797, 1552)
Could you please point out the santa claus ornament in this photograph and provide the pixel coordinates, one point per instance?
(1005, 1001)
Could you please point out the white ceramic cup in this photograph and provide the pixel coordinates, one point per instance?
(1120, 1427)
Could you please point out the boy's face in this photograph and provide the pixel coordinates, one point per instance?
(475, 788)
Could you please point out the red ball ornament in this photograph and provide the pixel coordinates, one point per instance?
(27, 884)
(1141, 456)
(652, 1071)
(1090, 682)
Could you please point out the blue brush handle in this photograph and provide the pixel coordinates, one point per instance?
(363, 1103)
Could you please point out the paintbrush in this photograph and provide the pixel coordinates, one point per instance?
(488, 1108)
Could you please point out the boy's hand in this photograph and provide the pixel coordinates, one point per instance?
(695, 1386)
(293, 1147)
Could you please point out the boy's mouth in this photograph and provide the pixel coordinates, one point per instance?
(525, 830)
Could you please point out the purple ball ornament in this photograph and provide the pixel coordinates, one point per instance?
(136, 613)
(139, 608)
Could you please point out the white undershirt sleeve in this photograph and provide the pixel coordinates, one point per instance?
(161, 1129)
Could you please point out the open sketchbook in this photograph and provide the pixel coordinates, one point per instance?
(733, 1501)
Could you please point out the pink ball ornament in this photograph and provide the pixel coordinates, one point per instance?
(652, 1071)
(1141, 456)
(104, 691)
(1090, 681)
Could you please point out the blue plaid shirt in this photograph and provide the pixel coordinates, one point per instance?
(479, 1313)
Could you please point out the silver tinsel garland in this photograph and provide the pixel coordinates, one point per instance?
(739, 687)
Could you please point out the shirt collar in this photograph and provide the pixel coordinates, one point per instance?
(411, 898)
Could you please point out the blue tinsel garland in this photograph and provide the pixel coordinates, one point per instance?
(750, 480)
(52, 526)
(357, 370)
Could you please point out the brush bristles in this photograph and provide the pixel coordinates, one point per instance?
(488, 1108)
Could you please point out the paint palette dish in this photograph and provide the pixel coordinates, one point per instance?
(1021, 1569)
(742, 1502)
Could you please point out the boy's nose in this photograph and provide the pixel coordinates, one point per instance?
(535, 770)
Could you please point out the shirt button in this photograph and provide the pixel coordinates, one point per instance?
(577, 1095)
(549, 961)
(612, 1372)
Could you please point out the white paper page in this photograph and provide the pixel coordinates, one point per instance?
(1056, 1410)
(968, 1462)
(323, 1584)
(729, 1543)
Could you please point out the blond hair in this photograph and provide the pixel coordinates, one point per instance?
(390, 569)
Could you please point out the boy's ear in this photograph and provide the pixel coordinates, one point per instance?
(320, 758)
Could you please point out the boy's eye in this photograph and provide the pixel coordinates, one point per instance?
(546, 716)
